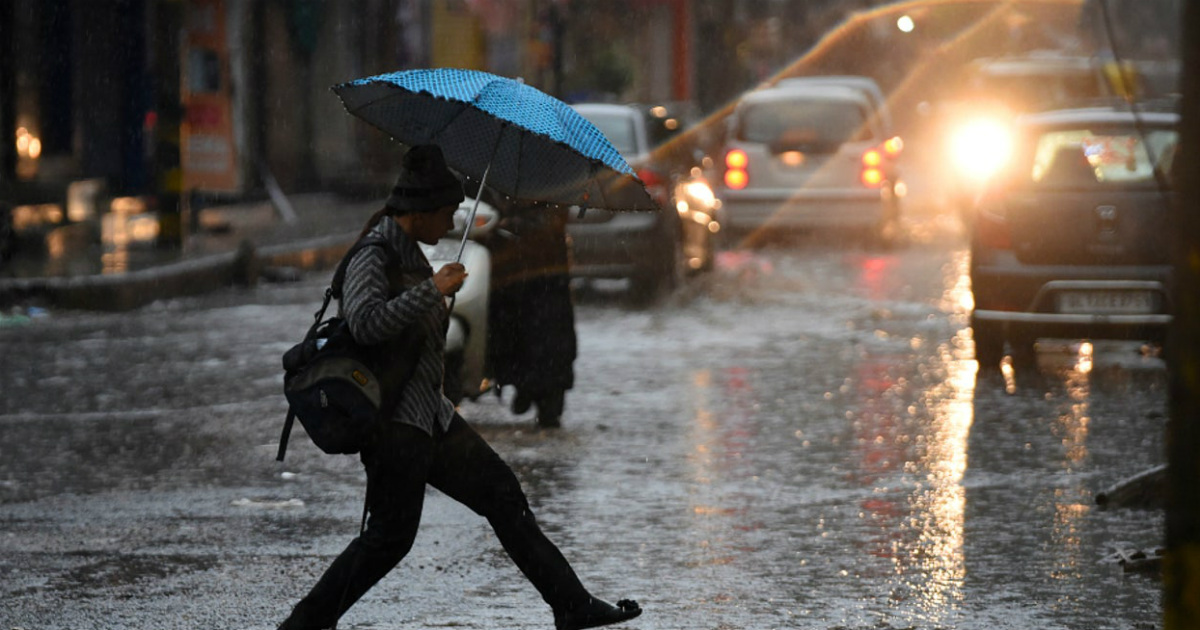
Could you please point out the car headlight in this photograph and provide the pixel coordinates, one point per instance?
(980, 147)
(698, 194)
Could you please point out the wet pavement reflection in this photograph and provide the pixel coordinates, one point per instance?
(799, 439)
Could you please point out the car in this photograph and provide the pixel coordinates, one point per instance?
(809, 156)
(1071, 236)
(651, 249)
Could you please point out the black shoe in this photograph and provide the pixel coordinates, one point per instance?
(550, 410)
(521, 403)
(596, 613)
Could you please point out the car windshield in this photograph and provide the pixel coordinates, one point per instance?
(1087, 157)
(810, 122)
(618, 128)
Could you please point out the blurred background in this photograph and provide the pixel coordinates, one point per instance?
(146, 106)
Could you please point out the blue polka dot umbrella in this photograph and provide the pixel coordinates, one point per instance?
(500, 133)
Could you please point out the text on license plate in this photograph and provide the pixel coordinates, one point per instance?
(1106, 302)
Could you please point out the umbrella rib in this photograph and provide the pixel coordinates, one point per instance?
(437, 134)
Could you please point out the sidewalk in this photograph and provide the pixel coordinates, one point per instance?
(235, 245)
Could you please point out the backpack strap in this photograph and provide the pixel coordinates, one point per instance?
(339, 274)
(334, 291)
(287, 431)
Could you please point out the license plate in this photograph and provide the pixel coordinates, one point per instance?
(1106, 302)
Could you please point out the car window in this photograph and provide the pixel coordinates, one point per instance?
(618, 128)
(1083, 157)
(807, 122)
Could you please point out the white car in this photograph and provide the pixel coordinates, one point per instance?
(809, 156)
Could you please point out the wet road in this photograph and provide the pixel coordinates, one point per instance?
(797, 441)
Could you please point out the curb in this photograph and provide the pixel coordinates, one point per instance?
(134, 289)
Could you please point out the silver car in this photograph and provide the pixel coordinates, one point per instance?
(652, 249)
(799, 156)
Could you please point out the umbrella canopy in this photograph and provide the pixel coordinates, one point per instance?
(530, 145)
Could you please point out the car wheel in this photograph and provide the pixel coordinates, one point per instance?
(989, 344)
(1024, 351)
(452, 384)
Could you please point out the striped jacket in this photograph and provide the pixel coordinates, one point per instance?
(374, 318)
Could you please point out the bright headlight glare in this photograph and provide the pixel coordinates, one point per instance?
(701, 193)
(979, 148)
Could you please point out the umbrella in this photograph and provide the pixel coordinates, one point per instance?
(500, 133)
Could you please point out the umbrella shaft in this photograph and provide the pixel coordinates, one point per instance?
(471, 217)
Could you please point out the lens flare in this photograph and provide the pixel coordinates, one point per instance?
(980, 147)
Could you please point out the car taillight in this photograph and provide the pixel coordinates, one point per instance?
(872, 168)
(736, 176)
(655, 184)
(650, 178)
(893, 146)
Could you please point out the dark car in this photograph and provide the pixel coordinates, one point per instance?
(1071, 237)
(652, 249)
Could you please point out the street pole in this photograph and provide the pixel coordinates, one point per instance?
(8, 97)
(1181, 568)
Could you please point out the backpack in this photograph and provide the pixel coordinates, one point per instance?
(337, 387)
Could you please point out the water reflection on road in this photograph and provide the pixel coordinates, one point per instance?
(846, 466)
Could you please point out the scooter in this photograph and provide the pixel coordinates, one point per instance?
(467, 333)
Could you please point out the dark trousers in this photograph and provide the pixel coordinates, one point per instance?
(459, 463)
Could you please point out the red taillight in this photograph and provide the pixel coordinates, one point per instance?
(736, 162)
(893, 146)
(655, 184)
(872, 168)
(872, 177)
(649, 177)
(736, 179)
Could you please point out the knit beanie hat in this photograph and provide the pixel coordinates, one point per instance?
(424, 183)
